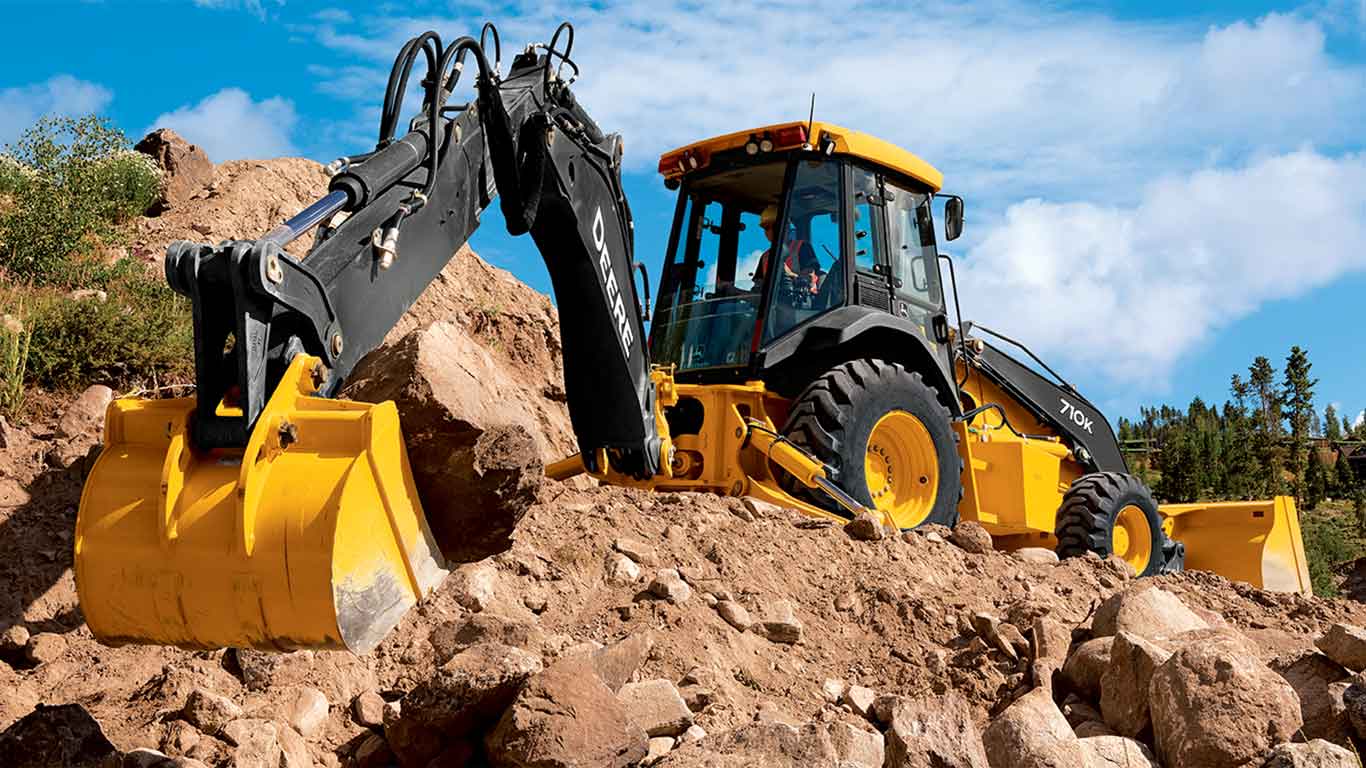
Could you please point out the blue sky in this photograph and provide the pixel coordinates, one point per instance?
(1156, 194)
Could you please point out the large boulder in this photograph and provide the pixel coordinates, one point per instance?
(64, 735)
(656, 706)
(1146, 611)
(1032, 733)
(565, 717)
(1086, 666)
(1124, 686)
(1345, 644)
(1314, 676)
(933, 730)
(477, 460)
(1214, 705)
(186, 169)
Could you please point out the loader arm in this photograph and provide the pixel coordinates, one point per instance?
(408, 207)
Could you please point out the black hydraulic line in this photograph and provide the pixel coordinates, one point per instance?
(1063, 382)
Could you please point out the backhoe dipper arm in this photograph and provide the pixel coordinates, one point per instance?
(411, 204)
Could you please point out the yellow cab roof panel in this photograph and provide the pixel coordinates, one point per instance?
(847, 142)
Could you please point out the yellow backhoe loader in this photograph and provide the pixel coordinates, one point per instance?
(801, 351)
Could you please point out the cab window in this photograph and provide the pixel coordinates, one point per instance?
(911, 234)
(807, 274)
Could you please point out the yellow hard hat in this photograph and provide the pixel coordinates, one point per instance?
(769, 217)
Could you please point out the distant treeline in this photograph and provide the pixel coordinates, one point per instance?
(1267, 439)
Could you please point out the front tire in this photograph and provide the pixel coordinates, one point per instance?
(1111, 513)
(887, 438)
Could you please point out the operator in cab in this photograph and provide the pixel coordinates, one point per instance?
(799, 258)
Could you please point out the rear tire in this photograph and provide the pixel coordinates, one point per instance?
(1111, 513)
(887, 439)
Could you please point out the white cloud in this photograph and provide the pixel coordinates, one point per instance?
(1175, 177)
(60, 95)
(1130, 289)
(229, 125)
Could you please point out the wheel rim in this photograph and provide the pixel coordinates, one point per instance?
(1132, 538)
(901, 469)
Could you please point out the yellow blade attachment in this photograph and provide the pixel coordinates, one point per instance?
(1257, 542)
(310, 537)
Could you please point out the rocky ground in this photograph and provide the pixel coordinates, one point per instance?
(613, 627)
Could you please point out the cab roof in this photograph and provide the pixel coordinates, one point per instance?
(786, 137)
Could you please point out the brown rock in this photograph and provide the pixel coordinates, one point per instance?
(293, 748)
(367, 709)
(566, 717)
(306, 710)
(1344, 644)
(46, 647)
(144, 758)
(1314, 754)
(255, 743)
(658, 747)
(1215, 706)
(1092, 728)
(186, 170)
(452, 637)
(373, 752)
(734, 614)
(1036, 555)
(860, 699)
(933, 731)
(1087, 664)
(84, 417)
(1354, 702)
(971, 537)
(856, 747)
(1032, 733)
(655, 706)
(1146, 611)
(865, 527)
(1311, 675)
(668, 585)
(1050, 641)
(14, 638)
(780, 623)
(621, 570)
(474, 585)
(470, 691)
(477, 460)
(65, 735)
(616, 663)
(640, 552)
(777, 745)
(1116, 752)
(1124, 686)
(180, 737)
(208, 711)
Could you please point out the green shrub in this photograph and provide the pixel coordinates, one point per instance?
(140, 334)
(72, 183)
(1326, 544)
(15, 335)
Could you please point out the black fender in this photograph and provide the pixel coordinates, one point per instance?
(789, 363)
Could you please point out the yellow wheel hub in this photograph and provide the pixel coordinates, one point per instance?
(1132, 538)
(902, 469)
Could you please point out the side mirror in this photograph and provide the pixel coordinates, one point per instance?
(953, 217)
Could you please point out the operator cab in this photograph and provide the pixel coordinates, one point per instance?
(851, 227)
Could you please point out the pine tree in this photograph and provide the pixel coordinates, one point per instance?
(1314, 483)
(1297, 394)
(1360, 510)
(1346, 478)
(1332, 428)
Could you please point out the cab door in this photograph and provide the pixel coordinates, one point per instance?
(872, 268)
(917, 295)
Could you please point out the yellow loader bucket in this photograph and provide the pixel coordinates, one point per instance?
(1253, 541)
(310, 537)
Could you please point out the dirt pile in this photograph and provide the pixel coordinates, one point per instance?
(619, 627)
